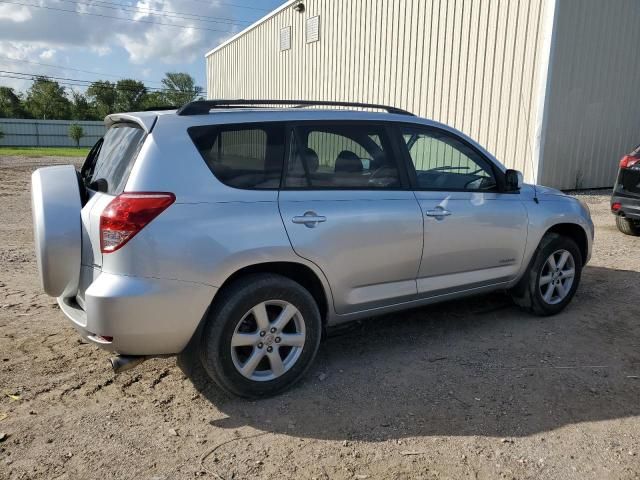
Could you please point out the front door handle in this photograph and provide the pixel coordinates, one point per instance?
(309, 219)
(438, 212)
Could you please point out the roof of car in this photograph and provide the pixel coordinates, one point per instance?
(249, 107)
(219, 116)
(147, 119)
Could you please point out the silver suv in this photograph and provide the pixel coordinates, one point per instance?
(244, 230)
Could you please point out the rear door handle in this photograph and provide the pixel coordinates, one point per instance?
(309, 219)
(438, 212)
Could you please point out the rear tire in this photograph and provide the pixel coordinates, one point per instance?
(627, 226)
(261, 335)
(552, 278)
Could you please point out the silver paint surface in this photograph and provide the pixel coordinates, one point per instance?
(375, 252)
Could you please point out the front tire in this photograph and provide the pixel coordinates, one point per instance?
(261, 335)
(627, 226)
(552, 278)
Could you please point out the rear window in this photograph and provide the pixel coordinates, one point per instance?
(109, 163)
(242, 156)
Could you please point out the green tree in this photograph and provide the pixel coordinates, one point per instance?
(102, 95)
(81, 109)
(46, 99)
(155, 100)
(130, 95)
(76, 132)
(180, 88)
(10, 104)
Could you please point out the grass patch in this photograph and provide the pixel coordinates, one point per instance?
(44, 151)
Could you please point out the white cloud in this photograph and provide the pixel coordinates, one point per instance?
(17, 50)
(150, 36)
(171, 44)
(101, 50)
(161, 44)
(14, 13)
(12, 54)
(138, 33)
(48, 54)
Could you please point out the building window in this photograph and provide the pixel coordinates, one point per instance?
(313, 29)
(285, 38)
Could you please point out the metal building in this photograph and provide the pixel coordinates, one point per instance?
(548, 86)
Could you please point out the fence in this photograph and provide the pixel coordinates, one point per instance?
(47, 133)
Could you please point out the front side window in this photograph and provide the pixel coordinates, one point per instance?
(349, 156)
(444, 162)
(242, 156)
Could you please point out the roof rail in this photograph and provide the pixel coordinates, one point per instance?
(202, 107)
(160, 108)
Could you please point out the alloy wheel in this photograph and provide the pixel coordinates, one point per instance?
(268, 340)
(556, 276)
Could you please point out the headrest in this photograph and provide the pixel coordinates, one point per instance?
(348, 162)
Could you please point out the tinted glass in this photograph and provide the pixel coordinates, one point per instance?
(347, 156)
(444, 162)
(112, 161)
(242, 156)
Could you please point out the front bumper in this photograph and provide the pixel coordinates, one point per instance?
(144, 316)
(629, 205)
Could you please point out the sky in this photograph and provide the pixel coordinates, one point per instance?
(112, 39)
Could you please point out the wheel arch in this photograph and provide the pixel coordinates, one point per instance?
(575, 232)
(298, 272)
(569, 229)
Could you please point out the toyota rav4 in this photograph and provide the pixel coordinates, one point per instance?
(244, 229)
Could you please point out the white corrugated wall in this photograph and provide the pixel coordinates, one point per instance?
(472, 64)
(593, 112)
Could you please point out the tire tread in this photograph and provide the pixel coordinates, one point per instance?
(221, 313)
(626, 226)
(525, 294)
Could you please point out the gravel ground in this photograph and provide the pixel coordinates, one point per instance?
(468, 389)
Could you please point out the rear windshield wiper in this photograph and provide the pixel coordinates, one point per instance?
(99, 185)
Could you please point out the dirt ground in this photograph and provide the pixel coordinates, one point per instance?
(468, 389)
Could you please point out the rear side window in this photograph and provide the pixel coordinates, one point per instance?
(110, 161)
(347, 156)
(242, 156)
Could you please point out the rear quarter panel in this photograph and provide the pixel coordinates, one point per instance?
(211, 231)
(205, 242)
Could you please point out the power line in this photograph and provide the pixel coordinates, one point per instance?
(232, 21)
(235, 5)
(160, 13)
(116, 18)
(77, 82)
(203, 93)
(2, 75)
(72, 84)
(87, 82)
(119, 77)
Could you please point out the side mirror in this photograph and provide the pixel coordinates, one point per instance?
(513, 180)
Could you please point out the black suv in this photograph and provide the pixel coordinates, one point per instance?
(625, 201)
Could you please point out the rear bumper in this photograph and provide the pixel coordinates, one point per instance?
(630, 205)
(144, 316)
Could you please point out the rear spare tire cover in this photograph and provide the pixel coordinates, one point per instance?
(55, 206)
